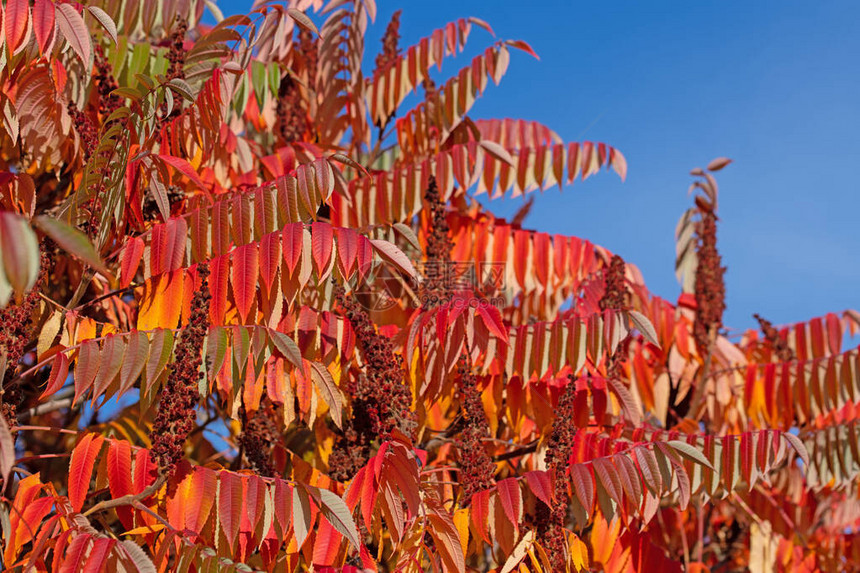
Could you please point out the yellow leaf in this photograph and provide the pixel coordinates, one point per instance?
(144, 529)
(461, 522)
(49, 333)
(578, 551)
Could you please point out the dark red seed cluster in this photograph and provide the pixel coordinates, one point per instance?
(352, 448)
(88, 132)
(476, 467)
(390, 50)
(16, 333)
(292, 121)
(176, 54)
(560, 443)
(435, 289)
(176, 408)
(615, 291)
(432, 109)
(150, 206)
(309, 54)
(771, 334)
(106, 84)
(381, 402)
(710, 288)
(258, 436)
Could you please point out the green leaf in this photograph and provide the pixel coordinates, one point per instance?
(19, 256)
(690, 452)
(73, 241)
(329, 390)
(7, 450)
(408, 234)
(105, 20)
(301, 514)
(181, 87)
(287, 347)
(798, 446)
(643, 325)
(337, 513)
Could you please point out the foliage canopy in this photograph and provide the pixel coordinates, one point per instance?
(252, 317)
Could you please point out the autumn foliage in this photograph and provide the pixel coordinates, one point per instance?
(253, 317)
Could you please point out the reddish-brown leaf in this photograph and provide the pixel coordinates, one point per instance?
(72, 25)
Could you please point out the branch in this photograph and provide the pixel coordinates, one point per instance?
(528, 449)
(128, 499)
(699, 394)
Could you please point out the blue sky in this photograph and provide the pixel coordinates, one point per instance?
(775, 85)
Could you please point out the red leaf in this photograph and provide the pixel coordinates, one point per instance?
(718, 163)
(393, 255)
(74, 556)
(130, 261)
(99, 554)
(292, 245)
(59, 373)
(270, 258)
(524, 46)
(606, 471)
(540, 485)
(185, 168)
(81, 468)
(480, 504)
(43, 24)
(145, 471)
(347, 249)
(16, 19)
(326, 544)
(245, 273)
(511, 497)
(201, 498)
(322, 241)
(119, 477)
(583, 484)
(493, 320)
(230, 505)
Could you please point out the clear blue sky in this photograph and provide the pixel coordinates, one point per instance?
(775, 85)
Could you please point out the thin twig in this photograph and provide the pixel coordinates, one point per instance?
(128, 499)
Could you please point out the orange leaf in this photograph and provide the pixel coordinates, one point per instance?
(161, 303)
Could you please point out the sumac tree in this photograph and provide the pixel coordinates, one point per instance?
(253, 317)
